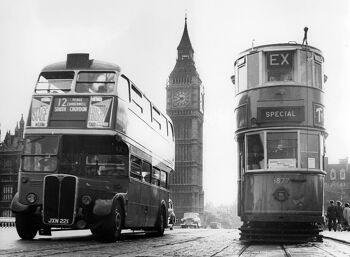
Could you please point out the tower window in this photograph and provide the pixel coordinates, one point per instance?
(185, 56)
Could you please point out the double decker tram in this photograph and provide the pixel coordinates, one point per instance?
(281, 142)
(97, 154)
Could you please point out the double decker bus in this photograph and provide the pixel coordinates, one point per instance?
(281, 142)
(97, 154)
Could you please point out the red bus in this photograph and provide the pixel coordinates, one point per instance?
(97, 154)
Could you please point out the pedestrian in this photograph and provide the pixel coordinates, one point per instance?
(332, 216)
(346, 216)
(339, 211)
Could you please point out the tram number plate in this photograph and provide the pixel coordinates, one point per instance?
(280, 180)
(58, 221)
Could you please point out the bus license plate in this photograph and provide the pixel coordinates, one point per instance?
(59, 221)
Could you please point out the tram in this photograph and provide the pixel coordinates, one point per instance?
(97, 154)
(280, 133)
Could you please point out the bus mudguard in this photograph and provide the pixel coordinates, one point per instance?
(102, 207)
(16, 206)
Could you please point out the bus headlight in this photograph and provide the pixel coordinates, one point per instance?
(86, 199)
(31, 198)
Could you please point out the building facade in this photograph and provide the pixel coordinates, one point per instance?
(337, 182)
(185, 106)
(10, 155)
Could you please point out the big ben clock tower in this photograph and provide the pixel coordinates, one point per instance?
(185, 100)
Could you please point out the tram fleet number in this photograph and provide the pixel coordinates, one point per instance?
(281, 180)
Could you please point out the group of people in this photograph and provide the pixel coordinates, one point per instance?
(338, 216)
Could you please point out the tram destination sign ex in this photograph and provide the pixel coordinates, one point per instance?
(283, 113)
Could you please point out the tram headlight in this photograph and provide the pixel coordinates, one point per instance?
(86, 199)
(31, 198)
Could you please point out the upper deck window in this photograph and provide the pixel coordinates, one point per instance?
(54, 82)
(95, 82)
(279, 66)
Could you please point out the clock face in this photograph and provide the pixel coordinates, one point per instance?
(181, 98)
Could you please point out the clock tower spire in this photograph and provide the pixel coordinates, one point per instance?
(185, 98)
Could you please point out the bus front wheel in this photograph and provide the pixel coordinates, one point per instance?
(26, 225)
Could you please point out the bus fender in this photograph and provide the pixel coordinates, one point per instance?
(102, 207)
(123, 198)
(164, 205)
(16, 206)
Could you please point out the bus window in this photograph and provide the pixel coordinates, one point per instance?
(309, 151)
(146, 172)
(136, 99)
(155, 176)
(279, 66)
(40, 153)
(163, 179)
(123, 88)
(171, 130)
(106, 164)
(95, 82)
(282, 150)
(156, 118)
(255, 150)
(54, 82)
(135, 166)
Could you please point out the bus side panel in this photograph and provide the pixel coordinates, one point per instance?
(283, 194)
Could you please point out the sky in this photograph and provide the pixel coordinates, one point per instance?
(142, 37)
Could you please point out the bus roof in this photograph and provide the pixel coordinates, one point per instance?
(81, 61)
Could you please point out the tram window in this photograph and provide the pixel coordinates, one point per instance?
(241, 116)
(135, 167)
(242, 75)
(309, 151)
(255, 150)
(253, 70)
(318, 75)
(54, 82)
(123, 88)
(282, 150)
(147, 110)
(146, 172)
(95, 82)
(305, 68)
(279, 66)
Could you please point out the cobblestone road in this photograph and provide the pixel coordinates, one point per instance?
(179, 242)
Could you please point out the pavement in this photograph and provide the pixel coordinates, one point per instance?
(342, 236)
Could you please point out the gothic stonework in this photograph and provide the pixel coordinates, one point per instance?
(185, 105)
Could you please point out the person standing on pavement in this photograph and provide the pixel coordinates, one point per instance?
(339, 209)
(332, 216)
(346, 215)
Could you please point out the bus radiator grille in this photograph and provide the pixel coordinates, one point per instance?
(59, 200)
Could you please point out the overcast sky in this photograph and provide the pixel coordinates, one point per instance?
(142, 37)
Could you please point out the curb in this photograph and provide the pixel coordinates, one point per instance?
(7, 224)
